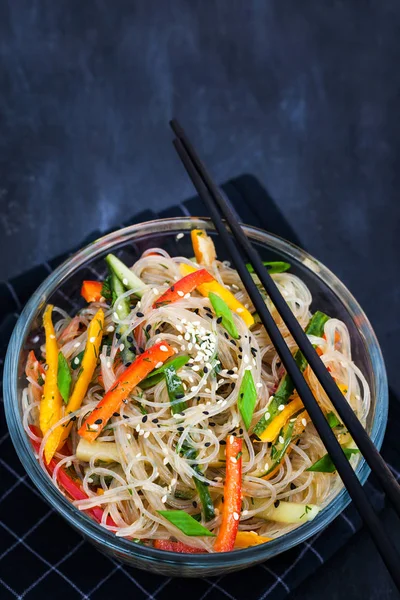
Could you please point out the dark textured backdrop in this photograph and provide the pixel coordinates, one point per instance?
(304, 95)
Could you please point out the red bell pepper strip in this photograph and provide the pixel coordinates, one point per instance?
(130, 378)
(70, 486)
(179, 547)
(186, 285)
(232, 496)
(91, 290)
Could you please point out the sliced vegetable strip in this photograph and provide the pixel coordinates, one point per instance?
(325, 463)
(207, 504)
(203, 247)
(247, 398)
(222, 292)
(286, 386)
(246, 539)
(35, 371)
(157, 375)
(274, 266)
(88, 365)
(64, 378)
(121, 306)
(51, 404)
(175, 390)
(223, 311)
(273, 429)
(232, 496)
(71, 486)
(123, 386)
(179, 547)
(185, 522)
(186, 285)
(91, 290)
(125, 275)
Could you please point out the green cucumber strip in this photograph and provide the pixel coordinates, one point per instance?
(247, 398)
(276, 266)
(278, 450)
(64, 378)
(207, 504)
(122, 308)
(332, 420)
(157, 375)
(185, 523)
(175, 390)
(223, 311)
(126, 276)
(326, 465)
(286, 386)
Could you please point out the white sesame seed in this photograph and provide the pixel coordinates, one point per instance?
(246, 358)
(207, 390)
(128, 436)
(159, 364)
(304, 422)
(173, 481)
(281, 440)
(146, 435)
(165, 450)
(281, 407)
(236, 516)
(231, 439)
(235, 376)
(138, 455)
(92, 340)
(193, 388)
(245, 512)
(163, 348)
(166, 460)
(76, 360)
(196, 368)
(110, 328)
(178, 416)
(138, 305)
(180, 337)
(77, 345)
(115, 315)
(239, 310)
(259, 384)
(233, 459)
(164, 499)
(141, 432)
(187, 295)
(90, 480)
(125, 281)
(267, 415)
(155, 291)
(180, 293)
(52, 337)
(121, 347)
(93, 427)
(266, 466)
(179, 236)
(108, 364)
(138, 427)
(235, 369)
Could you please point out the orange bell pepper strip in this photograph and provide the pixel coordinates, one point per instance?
(50, 410)
(245, 539)
(179, 547)
(88, 365)
(35, 371)
(130, 378)
(221, 291)
(203, 247)
(232, 496)
(91, 290)
(184, 286)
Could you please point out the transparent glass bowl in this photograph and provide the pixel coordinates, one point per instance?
(62, 288)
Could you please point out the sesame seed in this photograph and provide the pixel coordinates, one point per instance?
(121, 347)
(246, 358)
(281, 439)
(141, 432)
(140, 315)
(207, 444)
(267, 415)
(235, 376)
(180, 293)
(159, 364)
(179, 236)
(266, 466)
(163, 348)
(281, 407)
(207, 390)
(239, 310)
(259, 384)
(196, 368)
(304, 422)
(155, 291)
(245, 512)
(146, 435)
(231, 439)
(173, 481)
(110, 328)
(138, 455)
(193, 388)
(125, 281)
(164, 499)
(128, 435)
(187, 295)
(77, 345)
(166, 460)
(76, 361)
(138, 427)
(233, 459)
(93, 427)
(115, 315)
(236, 516)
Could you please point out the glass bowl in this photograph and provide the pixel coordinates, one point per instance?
(62, 288)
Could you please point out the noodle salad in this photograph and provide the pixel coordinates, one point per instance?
(162, 411)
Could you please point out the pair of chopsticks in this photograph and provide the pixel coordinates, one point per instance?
(238, 245)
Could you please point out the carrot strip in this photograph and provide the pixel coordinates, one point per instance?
(130, 378)
(91, 290)
(232, 496)
(186, 285)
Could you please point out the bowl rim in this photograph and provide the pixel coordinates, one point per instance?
(90, 528)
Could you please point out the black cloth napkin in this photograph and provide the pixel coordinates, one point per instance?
(42, 557)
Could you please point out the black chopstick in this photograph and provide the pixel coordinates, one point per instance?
(385, 547)
(349, 418)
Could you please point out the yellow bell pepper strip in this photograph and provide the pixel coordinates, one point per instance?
(272, 431)
(129, 379)
(50, 410)
(245, 539)
(203, 247)
(232, 496)
(88, 365)
(221, 291)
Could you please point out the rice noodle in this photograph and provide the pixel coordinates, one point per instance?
(151, 471)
